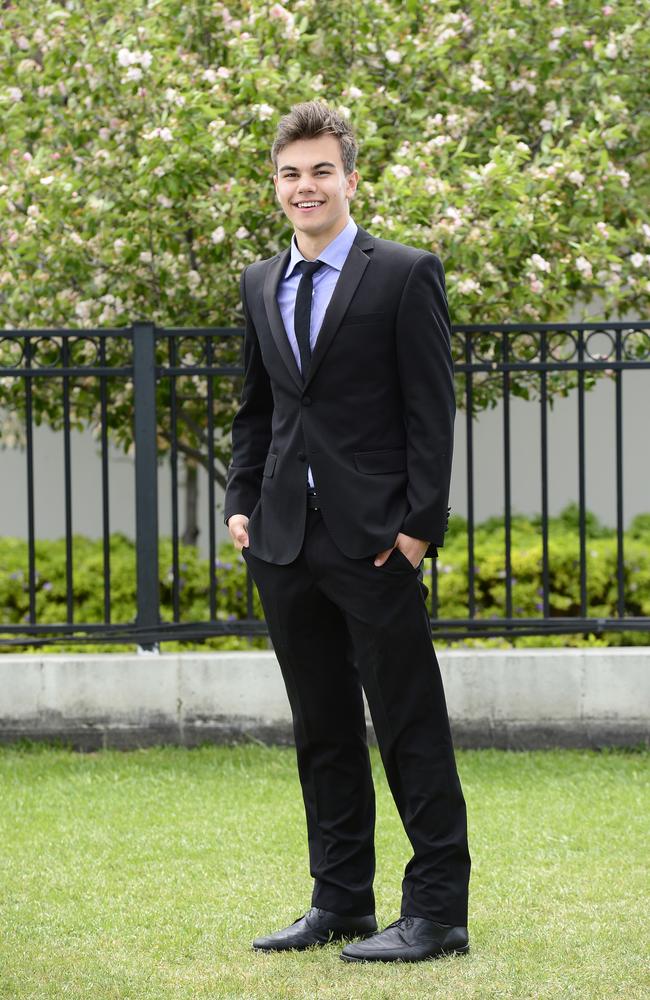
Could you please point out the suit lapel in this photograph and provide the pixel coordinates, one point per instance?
(274, 273)
(348, 281)
(356, 263)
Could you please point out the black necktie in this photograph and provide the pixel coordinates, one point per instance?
(302, 311)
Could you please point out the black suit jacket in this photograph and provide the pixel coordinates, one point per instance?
(374, 416)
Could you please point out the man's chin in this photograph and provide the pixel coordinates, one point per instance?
(317, 227)
(307, 225)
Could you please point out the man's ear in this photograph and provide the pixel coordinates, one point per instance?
(352, 183)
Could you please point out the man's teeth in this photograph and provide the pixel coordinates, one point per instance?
(308, 204)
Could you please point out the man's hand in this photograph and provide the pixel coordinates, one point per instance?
(237, 526)
(412, 548)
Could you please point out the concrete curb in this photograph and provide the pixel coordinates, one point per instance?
(512, 699)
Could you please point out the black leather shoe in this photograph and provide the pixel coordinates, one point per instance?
(409, 939)
(316, 927)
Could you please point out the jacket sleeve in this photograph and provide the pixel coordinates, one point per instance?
(423, 337)
(251, 427)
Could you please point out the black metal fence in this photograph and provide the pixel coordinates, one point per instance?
(177, 390)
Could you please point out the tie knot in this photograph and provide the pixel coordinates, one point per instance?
(309, 267)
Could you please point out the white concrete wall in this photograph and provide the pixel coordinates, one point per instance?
(49, 493)
(600, 451)
(515, 699)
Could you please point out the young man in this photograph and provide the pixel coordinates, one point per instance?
(338, 488)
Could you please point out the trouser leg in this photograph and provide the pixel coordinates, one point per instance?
(388, 622)
(313, 647)
(402, 681)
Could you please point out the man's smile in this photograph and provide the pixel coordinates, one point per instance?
(307, 206)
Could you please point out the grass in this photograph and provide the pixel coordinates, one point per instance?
(146, 874)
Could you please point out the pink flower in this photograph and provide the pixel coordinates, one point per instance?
(607, 10)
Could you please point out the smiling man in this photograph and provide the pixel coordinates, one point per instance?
(337, 490)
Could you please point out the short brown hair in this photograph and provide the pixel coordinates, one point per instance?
(312, 118)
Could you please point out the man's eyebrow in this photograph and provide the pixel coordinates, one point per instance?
(316, 166)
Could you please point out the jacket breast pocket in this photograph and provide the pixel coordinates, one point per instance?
(388, 460)
(269, 465)
(361, 318)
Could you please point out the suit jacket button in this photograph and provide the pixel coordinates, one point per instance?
(301, 456)
(306, 400)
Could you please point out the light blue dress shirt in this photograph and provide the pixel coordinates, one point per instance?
(333, 257)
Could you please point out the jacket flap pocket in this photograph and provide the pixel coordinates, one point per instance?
(362, 318)
(269, 465)
(393, 460)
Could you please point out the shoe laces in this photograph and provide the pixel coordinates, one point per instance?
(405, 922)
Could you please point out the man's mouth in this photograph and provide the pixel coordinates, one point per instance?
(307, 206)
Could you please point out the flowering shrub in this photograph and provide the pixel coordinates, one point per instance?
(512, 138)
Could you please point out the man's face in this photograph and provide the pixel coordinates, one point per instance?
(312, 186)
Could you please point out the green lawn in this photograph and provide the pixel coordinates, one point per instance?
(146, 875)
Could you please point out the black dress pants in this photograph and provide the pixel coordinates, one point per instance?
(338, 624)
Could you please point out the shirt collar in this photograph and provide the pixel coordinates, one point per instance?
(334, 254)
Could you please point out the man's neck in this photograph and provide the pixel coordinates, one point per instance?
(312, 246)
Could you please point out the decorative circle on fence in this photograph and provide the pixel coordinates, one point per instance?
(525, 346)
(190, 352)
(12, 353)
(83, 352)
(47, 352)
(562, 345)
(486, 348)
(636, 345)
(600, 345)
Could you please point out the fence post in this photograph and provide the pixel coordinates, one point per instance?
(146, 480)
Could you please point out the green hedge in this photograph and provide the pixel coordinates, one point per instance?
(452, 579)
(89, 593)
(564, 580)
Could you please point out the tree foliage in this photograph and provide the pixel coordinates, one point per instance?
(511, 138)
